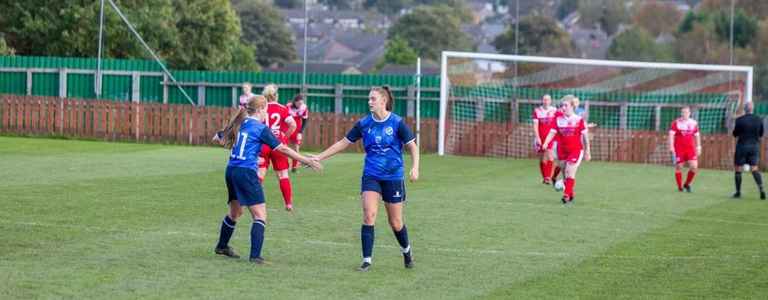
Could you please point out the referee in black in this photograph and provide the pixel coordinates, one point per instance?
(748, 131)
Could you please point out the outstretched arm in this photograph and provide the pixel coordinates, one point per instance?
(314, 164)
(333, 149)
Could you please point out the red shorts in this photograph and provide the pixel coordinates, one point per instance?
(278, 159)
(685, 155)
(571, 156)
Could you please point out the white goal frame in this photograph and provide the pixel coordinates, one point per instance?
(444, 84)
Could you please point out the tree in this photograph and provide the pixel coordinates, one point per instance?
(337, 4)
(690, 20)
(753, 8)
(289, 4)
(657, 17)
(68, 28)
(539, 35)
(609, 14)
(265, 31)
(387, 7)
(528, 7)
(430, 30)
(566, 7)
(638, 44)
(194, 34)
(4, 49)
(398, 53)
(761, 46)
(744, 27)
(212, 32)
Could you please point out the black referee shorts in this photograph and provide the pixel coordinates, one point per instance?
(746, 154)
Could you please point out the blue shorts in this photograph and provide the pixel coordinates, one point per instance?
(392, 191)
(243, 185)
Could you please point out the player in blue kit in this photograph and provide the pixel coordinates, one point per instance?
(383, 134)
(246, 135)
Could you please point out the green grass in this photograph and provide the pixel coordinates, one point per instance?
(124, 221)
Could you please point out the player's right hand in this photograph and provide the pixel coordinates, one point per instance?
(315, 164)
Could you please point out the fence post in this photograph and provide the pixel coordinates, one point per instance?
(62, 83)
(338, 99)
(514, 109)
(657, 113)
(480, 110)
(338, 108)
(201, 95)
(135, 87)
(165, 89)
(235, 102)
(586, 110)
(410, 102)
(623, 115)
(29, 82)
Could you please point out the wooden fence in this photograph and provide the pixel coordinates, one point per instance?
(185, 124)
(154, 123)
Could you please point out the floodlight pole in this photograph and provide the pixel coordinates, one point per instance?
(418, 101)
(97, 86)
(304, 59)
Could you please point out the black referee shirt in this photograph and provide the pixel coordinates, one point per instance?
(748, 130)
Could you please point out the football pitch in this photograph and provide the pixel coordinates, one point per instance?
(94, 220)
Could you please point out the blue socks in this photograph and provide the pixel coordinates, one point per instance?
(402, 239)
(367, 237)
(227, 228)
(257, 237)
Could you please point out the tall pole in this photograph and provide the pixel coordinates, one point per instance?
(418, 101)
(733, 7)
(97, 86)
(517, 45)
(304, 59)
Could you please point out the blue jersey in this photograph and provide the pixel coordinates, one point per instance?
(245, 152)
(383, 142)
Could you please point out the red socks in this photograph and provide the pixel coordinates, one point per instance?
(569, 183)
(285, 188)
(679, 179)
(688, 179)
(295, 164)
(546, 169)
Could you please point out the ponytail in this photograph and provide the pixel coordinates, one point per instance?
(230, 132)
(233, 127)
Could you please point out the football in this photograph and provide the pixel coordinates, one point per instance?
(559, 185)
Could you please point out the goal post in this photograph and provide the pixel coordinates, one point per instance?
(486, 100)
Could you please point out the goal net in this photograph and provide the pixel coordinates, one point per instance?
(486, 104)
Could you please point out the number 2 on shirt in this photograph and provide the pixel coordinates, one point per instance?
(275, 123)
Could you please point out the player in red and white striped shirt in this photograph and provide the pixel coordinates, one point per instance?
(543, 121)
(572, 145)
(300, 113)
(685, 145)
(282, 125)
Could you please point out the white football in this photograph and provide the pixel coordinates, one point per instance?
(559, 185)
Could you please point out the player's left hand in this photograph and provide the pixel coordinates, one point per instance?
(698, 151)
(414, 174)
(587, 156)
(299, 137)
